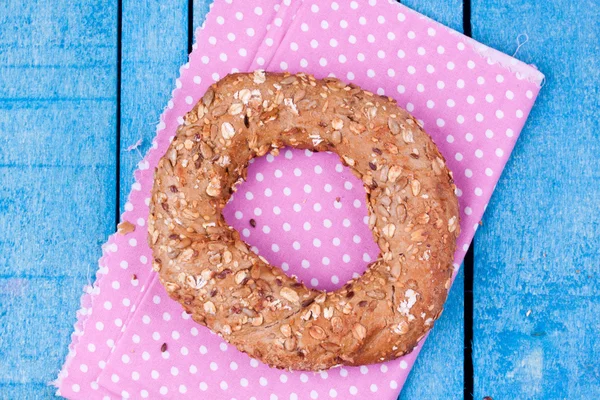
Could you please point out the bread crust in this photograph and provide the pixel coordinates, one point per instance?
(205, 265)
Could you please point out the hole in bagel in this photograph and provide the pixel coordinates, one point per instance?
(305, 212)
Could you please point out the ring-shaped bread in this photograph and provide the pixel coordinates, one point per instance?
(205, 265)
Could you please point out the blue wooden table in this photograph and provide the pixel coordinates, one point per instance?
(81, 81)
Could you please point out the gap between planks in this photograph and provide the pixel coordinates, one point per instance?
(468, 270)
(118, 112)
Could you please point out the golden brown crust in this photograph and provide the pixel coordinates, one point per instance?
(205, 265)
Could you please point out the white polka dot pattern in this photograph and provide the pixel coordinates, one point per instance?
(298, 213)
(309, 211)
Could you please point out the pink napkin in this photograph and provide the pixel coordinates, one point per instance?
(132, 341)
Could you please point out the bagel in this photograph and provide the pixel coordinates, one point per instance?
(205, 265)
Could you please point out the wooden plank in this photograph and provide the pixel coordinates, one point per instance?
(439, 370)
(536, 286)
(36, 331)
(154, 46)
(27, 391)
(447, 12)
(201, 8)
(57, 169)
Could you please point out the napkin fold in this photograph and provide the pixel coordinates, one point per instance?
(132, 341)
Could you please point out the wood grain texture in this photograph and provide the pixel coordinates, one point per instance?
(37, 329)
(57, 144)
(447, 12)
(536, 286)
(201, 8)
(154, 46)
(438, 372)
